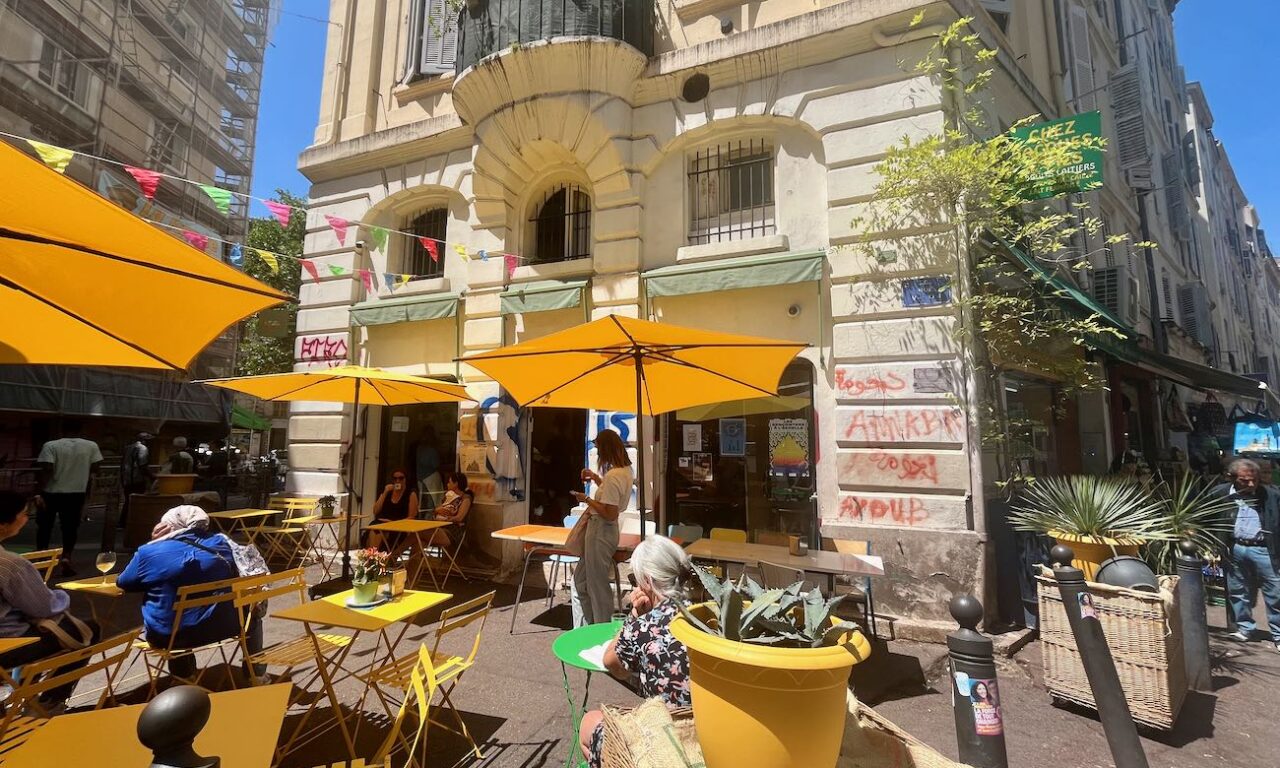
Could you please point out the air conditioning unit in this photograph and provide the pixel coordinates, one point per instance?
(1117, 289)
(1139, 179)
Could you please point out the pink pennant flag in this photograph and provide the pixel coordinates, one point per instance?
(197, 240)
(339, 226)
(367, 278)
(279, 210)
(311, 270)
(148, 181)
(430, 245)
(511, 261)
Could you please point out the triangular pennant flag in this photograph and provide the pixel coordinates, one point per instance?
(281, 211)
(148, 181)
(336, 270)
(339, 226)
(219, 196)
(390, 280)
(366, 277)
(379, 237)
(237, 254)
(56, 158)
(197, 240)
(269, 259)
(430, 245)
(403, 279)
(462, 251)
(484, 255)
(512, 261)
(311, 269)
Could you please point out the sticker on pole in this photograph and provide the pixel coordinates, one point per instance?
(986, 708)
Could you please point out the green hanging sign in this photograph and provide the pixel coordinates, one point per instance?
(1082, 171)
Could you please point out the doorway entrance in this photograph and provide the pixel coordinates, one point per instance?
(558, 438)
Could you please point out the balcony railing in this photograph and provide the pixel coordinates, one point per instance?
(489, 26)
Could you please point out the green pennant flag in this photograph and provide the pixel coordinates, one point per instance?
(379, 237)
(336, 270)
(219, 196)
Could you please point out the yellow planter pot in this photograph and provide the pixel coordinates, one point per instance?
(1091, 551)
(767, 707)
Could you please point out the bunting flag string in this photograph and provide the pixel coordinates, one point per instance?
(148, 181)
(269, 259)
(484, 255)
(336, 270)
(339, 226)
(281, 211)
(220, 197)
(56, 158)
(311, 270)
(379, 237)
(390, 280)
(197, 240)
(430, 245)
(511, 262)
(462, 252)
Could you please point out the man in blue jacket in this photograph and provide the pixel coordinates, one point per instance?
(1252, 556)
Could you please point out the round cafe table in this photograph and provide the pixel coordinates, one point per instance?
(568, 648)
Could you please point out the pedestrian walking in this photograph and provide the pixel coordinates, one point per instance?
(180, 461)
(1252, 558)
(613, 481)
(67, 466)
(135, 472)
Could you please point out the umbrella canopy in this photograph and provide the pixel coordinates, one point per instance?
(601, 365)
(346, 384)
(779, 404)
(85, 282)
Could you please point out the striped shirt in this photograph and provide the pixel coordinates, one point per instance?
(24, 596)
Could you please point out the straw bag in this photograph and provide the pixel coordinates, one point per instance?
(576, 544)
(649, 736)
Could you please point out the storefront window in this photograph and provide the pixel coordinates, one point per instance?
(747, 464)
(421, 440)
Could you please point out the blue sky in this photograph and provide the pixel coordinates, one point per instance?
(1227, 52)
(1227, 46)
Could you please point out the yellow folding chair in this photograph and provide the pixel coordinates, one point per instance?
(729, 534)
(420, 688)
(49, 673)
(190, 598)
(45, 560)
(288, 540)
(447, 669)
(254, 591)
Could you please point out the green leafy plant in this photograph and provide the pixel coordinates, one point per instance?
(745, 612)
(1192, 512)
(260, 352)
(1085, 505)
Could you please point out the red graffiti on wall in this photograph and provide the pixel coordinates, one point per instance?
(907, 511)
(316, 348)
(852, 386)
(907, 466)
(920, 425)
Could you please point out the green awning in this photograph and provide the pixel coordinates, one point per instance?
(242, 419)
(436, 306)
(732, 274)
(542, 296)
(1076, 295)
(1199, 376)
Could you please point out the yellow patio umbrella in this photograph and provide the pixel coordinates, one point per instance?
(347, 384)
(637, 366)
(85, 282)
(752, 407)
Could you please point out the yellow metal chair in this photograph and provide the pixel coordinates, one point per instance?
(190, 598)
(729, 534)
(857, 587)
(420, 689)
(773, 538)
(446, 669)
(49, 673)
(288, 540)
(45, 560)
(254, 591)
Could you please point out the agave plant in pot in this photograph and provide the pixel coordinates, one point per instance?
(1193, 513)
(768, 670)
(1098, 517)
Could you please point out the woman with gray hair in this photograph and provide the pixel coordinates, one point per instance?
(645, 648)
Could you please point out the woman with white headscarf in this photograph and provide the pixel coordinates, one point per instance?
(182, 552)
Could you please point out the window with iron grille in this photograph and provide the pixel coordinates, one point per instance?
(731, 192)
(562, 225)
(431, 224)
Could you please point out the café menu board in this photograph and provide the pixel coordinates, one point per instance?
(789, 446)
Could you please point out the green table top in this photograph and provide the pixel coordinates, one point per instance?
(569, 645)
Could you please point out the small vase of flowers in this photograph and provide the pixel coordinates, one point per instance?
(369, 569)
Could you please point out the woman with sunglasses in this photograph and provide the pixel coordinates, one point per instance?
(398, 501)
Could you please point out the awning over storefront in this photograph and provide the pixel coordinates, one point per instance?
(242, 419)
(542, 296)
(732, 274)
(1061, 284)
(436, 306)
(1200, 376)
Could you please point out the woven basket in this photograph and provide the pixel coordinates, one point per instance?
(1144, 632)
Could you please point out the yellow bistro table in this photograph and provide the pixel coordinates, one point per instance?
(243, 728)
(241, 519)
(312, 546)
(98, 590)
(332, 611)
(415, 528)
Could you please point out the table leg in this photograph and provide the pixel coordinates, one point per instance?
(323, 665)
(576, 713)
(515, 607)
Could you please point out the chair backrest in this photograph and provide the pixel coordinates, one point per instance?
(846, 546)
(472, 612)
(686, 533)
(43, 675)
(206, 595)
(729, 534)
(779, 576)
(45, 560)
(632, 525)
(291, 503)
(422, 689)
(252, 590)
(772, 538)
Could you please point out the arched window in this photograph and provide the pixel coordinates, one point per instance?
(418, 261)
(562, 224)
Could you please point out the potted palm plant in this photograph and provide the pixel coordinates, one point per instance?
(769, 670)
(1098, 517)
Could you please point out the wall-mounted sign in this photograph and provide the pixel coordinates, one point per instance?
(733, 437)
(1081, 171)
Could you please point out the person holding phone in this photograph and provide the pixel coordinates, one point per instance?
(613, 479)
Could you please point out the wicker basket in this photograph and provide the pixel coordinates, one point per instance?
(1144, 632)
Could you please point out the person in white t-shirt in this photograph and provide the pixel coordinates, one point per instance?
(66, 467)
(613, 482)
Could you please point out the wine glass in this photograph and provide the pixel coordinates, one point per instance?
(105, 562)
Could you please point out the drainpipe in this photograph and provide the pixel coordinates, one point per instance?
(1158, 334)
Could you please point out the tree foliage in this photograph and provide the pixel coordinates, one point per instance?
(258, 353)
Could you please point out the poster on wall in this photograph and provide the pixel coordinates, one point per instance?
(692, 437)
(702, 468)
(789, 446)
(733, 437)
(399, 423)
(471, 458)
(1257, 439)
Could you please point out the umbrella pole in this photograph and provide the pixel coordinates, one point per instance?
(640, 445)
(351, 487)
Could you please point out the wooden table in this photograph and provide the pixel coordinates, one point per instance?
(415, 528)
(332, 611)
(97, 588)
(819, 561)
(242, 730)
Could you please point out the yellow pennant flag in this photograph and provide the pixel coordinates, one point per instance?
(402, 279)
(269, 259)
(56, 158)
(462, 251)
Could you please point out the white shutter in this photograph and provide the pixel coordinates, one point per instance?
(414, 40)
(1106, 288)
(1193, 300)
(1174, 198)
(1131, 128)
(1082, 61)
(439, 38)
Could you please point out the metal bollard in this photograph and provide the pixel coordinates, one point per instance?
(1195, 622)
(975, 697)
(168, 726)
(1099, 667)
